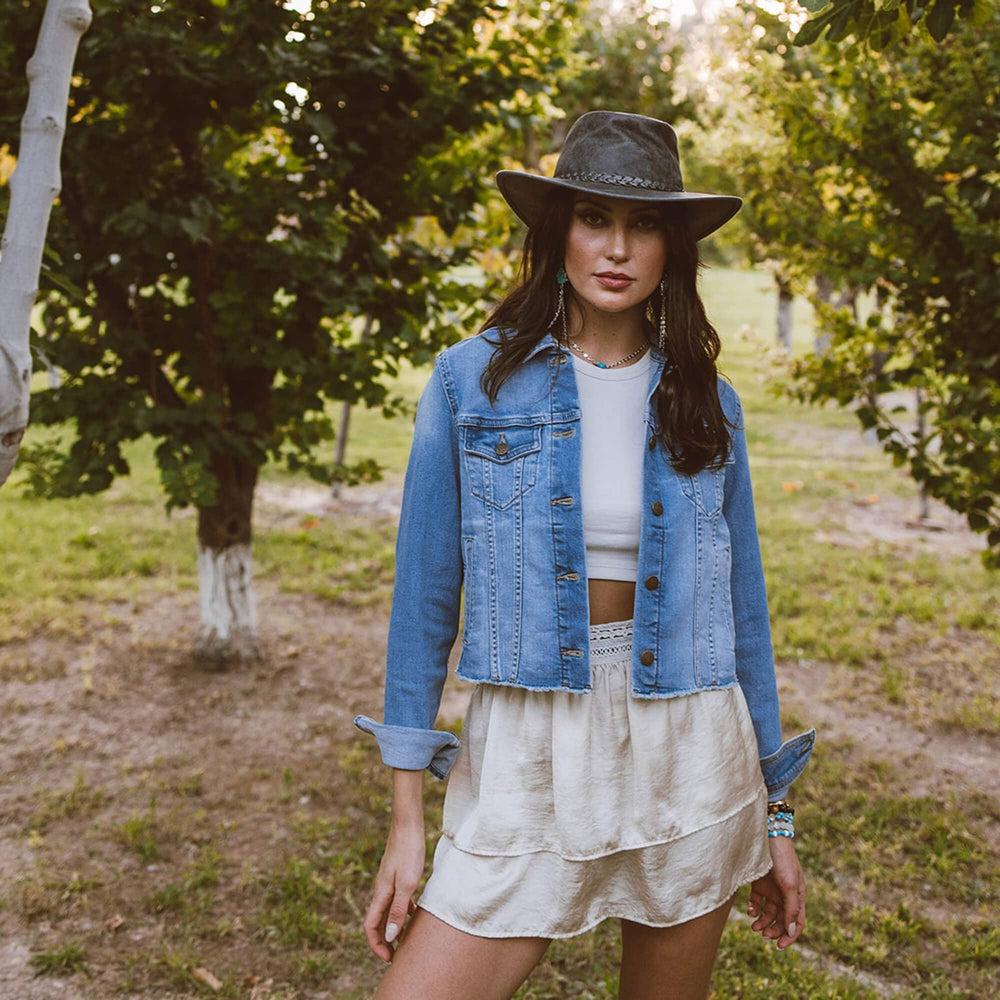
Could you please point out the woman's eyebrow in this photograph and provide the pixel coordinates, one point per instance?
(604, 206)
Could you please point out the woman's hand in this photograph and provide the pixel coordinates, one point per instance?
(398, 876)
(778, 899)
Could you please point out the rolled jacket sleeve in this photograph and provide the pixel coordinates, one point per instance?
(781, 763)
(423, 622)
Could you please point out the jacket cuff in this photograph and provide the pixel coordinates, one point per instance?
(413, 749)
(783, 766)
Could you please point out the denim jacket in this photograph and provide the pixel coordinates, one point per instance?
(491, 510)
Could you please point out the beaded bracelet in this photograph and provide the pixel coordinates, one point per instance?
(780, 819)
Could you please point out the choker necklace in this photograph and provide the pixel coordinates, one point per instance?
(614, 364)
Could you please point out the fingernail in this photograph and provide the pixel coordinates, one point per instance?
(791, 927)
(391, 931)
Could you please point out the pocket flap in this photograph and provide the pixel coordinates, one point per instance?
(501, 444)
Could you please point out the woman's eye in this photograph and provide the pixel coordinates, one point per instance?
(647, 223)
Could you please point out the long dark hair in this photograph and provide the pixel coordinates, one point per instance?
(687, 398)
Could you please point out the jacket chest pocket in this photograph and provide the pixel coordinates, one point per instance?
(705, 489)
(501, 462)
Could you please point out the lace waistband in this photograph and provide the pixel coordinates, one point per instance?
(610, 641)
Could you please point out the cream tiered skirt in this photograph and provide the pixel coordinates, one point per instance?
(563, 809)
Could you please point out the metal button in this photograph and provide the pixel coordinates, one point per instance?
(502, 448)
(656, 507)
(652, 582)
(646, 658)
(652, 442)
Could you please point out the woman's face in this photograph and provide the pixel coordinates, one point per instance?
(614, 236)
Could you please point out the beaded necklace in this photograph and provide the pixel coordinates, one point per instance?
(614, 364)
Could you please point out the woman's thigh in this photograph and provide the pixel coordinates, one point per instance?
(671, 963)
(435, 961)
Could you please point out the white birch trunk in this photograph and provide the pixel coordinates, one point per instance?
(34, 184)
(228, 607)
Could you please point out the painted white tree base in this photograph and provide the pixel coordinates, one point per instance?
(228, 607)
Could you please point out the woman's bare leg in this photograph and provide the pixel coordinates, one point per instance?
(671, 963)
(435, 961)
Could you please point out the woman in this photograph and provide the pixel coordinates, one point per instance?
(575, 479)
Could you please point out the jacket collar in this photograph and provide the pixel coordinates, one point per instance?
(547, 342)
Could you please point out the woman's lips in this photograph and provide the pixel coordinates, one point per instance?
(613, 283)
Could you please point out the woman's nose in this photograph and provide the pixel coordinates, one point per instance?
(618, 243)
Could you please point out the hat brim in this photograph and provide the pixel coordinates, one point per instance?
(527, 195)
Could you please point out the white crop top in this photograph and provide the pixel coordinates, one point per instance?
(613, 428)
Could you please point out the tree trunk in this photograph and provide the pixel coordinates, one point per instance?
(849, 297)
(531, 151)
(340, 447)
(785, 299)
(879, 358)
(924, 509)
(225, 571)
(340, 444)
(35, 182)
(824, 291)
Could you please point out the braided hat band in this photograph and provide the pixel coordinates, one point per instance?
(591, 175)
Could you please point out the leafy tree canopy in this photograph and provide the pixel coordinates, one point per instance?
(243, 185)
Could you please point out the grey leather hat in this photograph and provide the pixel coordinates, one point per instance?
(620, 155)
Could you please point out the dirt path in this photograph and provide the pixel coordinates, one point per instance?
(16, 975)
(125, 714)
(933, 757)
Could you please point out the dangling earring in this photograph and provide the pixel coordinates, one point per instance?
(663, 312)
(561, 277)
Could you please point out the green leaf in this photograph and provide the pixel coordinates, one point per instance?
(839, 25)
(940, 18)
(66, 285)
(811, 30)
(977, 520)
(866, 414)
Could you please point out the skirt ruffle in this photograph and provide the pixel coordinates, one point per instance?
(563, 809)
